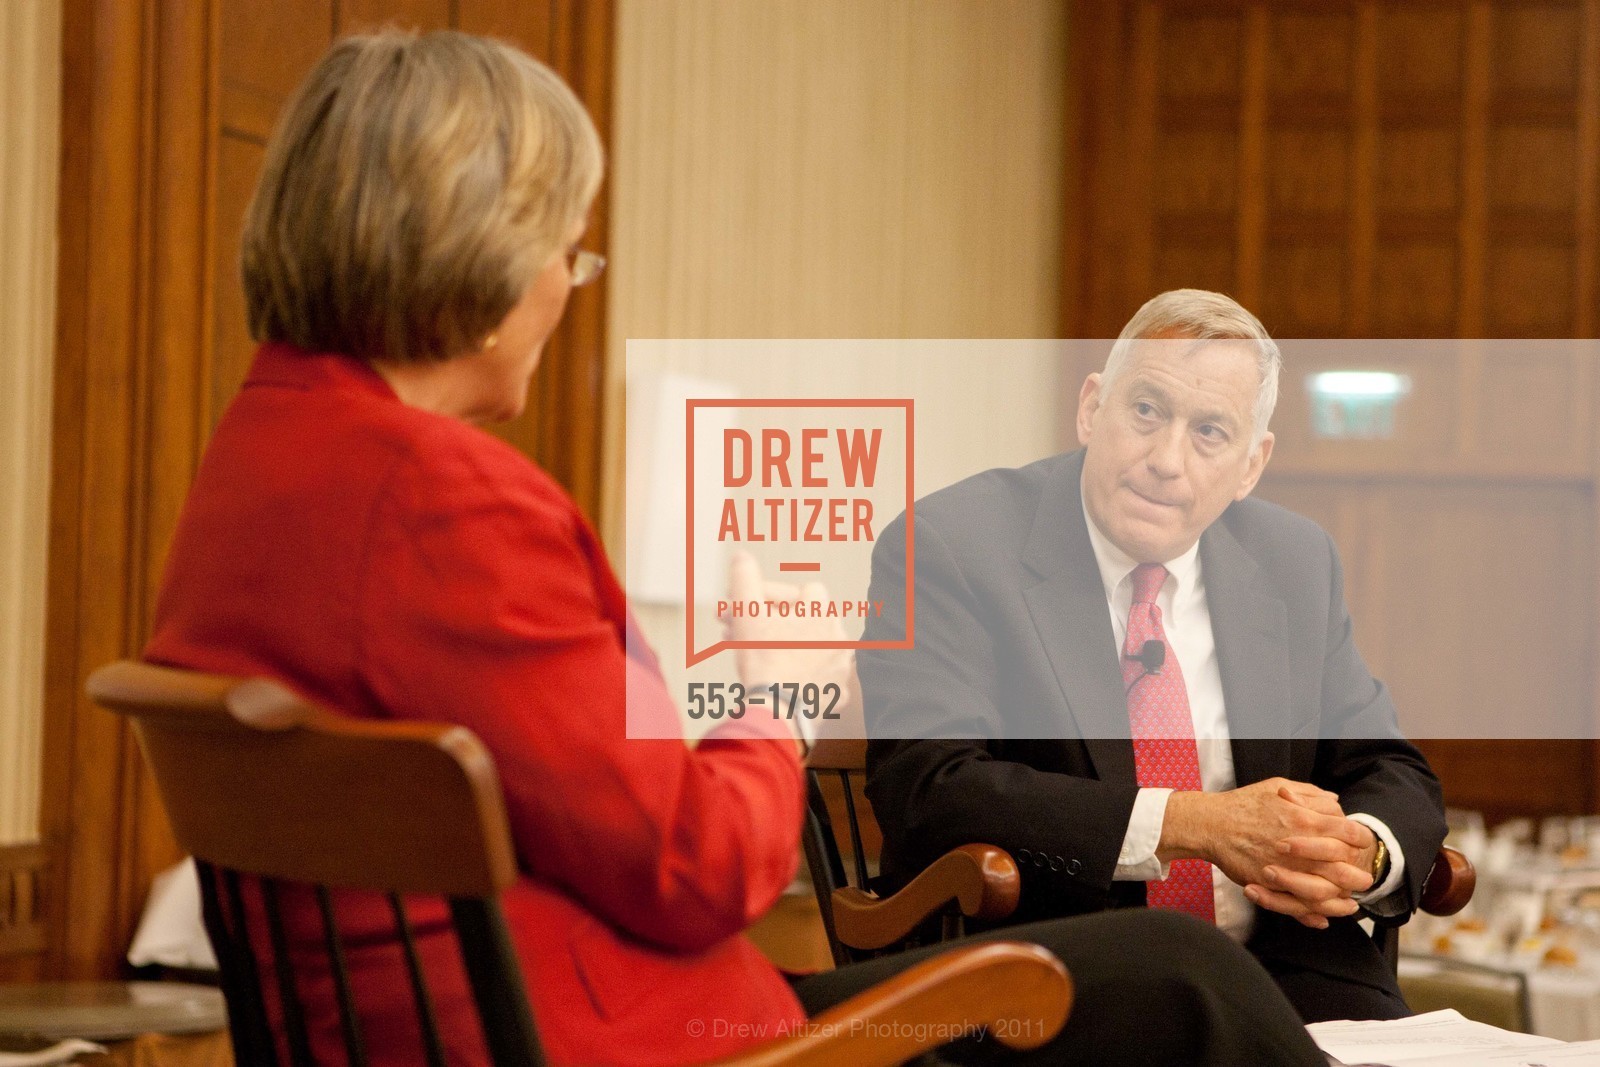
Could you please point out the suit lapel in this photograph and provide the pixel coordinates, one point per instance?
(1068, 607)
(1249, 625)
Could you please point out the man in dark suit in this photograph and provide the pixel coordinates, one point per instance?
(1143, 684)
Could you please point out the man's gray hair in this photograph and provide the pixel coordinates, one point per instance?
(1202, 315)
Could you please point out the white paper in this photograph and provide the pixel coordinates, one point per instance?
(1580, 1054)
(171, 931)
(1436, 1034)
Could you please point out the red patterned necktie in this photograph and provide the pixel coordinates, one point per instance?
(1164, 752)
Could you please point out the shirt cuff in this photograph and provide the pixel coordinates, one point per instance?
(1373, 899)
(1137, 861)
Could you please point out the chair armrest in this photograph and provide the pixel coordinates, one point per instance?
(1020, 991)
(1450, 883)
(982, 879)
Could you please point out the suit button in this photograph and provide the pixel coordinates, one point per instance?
(1040, 859)
(1056, 863)
(1073, 866)
(1023, 855)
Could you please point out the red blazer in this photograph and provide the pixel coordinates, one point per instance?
(388, 562)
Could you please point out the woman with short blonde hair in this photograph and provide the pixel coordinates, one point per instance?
(412, 190)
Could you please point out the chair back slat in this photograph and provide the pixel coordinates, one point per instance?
(829, 865)
(329, 781)
(257, 782)
(294, 1022)
(844, 760)
(497, 985)
(822, 860)
(432, 1046)
(857, 851)
(349, 1021)
(223, 910)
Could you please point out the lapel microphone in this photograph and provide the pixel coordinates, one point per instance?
(1151, 656)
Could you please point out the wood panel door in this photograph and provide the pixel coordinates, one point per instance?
(166, 108)
(1366, 169)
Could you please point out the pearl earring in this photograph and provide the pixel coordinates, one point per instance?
(490, 341)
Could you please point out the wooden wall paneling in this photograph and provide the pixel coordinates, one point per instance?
(170, 383)
(103, 117)
(1586, 242)
(1472, 232)
(73, 303)
(1250, 214)
(563, 425)
(1532, 408)
(1532, 171)
(1426, 170)
(101, 503)
(1518, 411)
(1367, 576)
(1591, 748)
(1096, 162)
(531, 24)
(1425, 425)
(1306, 183)
(1506, 653)
(1115, 181)
(1537, 47)
(1469, 399)
(1417, 184)
(1498, 651)
(264, 50)
(1313, 52)
(1136, 238)
(357, 16)
(1195, 186)
(1544, 777)
(239, 157)
(1530, 290)
(1078, 122)
(1416, 192)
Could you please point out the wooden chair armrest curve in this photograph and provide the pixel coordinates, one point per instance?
(982, 879)
(1019, 991)
(1450, 883)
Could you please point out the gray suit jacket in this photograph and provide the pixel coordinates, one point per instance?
(1007, 723)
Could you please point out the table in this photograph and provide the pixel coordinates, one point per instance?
(142, 1024)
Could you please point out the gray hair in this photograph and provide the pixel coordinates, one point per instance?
(1203, 316)
(411, 192)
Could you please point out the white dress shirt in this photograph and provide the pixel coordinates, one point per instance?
(1186, 620)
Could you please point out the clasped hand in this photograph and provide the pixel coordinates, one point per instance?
(1287, 843)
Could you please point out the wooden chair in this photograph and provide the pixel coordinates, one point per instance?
(975, 881)
(260, 784)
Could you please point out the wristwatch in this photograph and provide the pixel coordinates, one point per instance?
(1380, 862)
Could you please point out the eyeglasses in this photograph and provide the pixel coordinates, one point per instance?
(584, 266)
